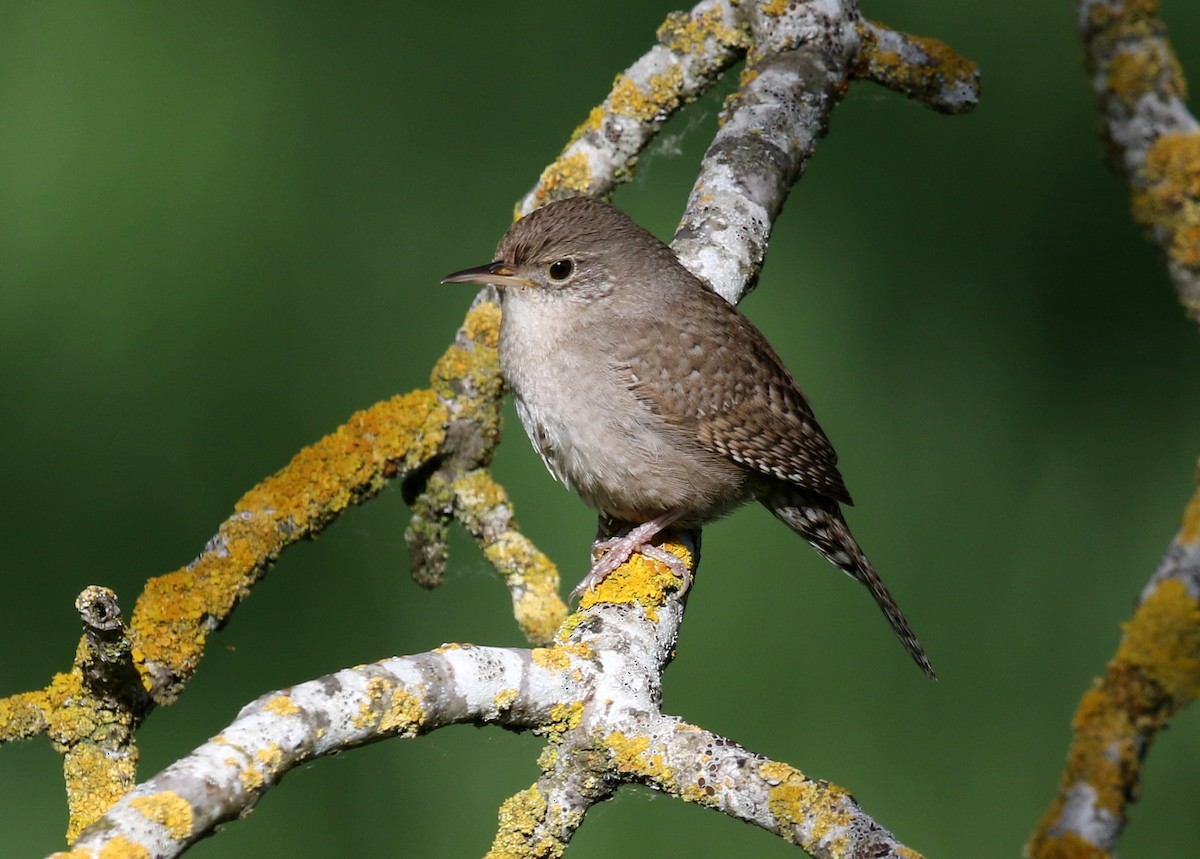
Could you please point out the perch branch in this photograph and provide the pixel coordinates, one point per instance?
(595, 695)
(799, 59)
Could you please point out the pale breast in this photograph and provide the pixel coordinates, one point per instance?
(596, 436)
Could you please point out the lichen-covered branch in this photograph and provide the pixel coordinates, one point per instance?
(457, 485)
(92, 712)
(595, 695)
(800, 57)
(1140, 90)
(693, 49)
(699, 766)
(1153, 140)
(1154, 674)
(920, 68)
(802, 60)
(224, 778)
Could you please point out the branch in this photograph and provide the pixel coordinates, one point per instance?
(694, 49)
(595, 695)
(803, 58)
(800, 58)
(120, 674)
(1152, 138)
(1155, 673)
(1139, 89)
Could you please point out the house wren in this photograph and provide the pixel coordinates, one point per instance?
(654, 398)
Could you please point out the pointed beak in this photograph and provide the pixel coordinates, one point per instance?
(496, 273)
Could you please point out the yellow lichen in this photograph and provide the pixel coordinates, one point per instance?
(117, 847)
(583, 651)
(404, 716)
(593, 122)
(568, 173)
(550, 658)
(1132, 74)
(271, 757)
(688, 34)
(521, 833)
(377, 689)
(1166, 194)
(661, 95)
(1068, 845)
(632, 756)
(96, 779)
(169, 810)
(281, 705)
(564, 717)
(539, 610)
(504, 699)
(250, 777)
(482, 324)
(639, 580)
(1163, 641)
(819, 809)
(775, 8)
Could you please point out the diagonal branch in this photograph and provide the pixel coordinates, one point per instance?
(799, 67)
(1155, 673)
(92, 712)
(1155, 143)
(1153, 140)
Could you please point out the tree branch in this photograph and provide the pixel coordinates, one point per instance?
(1153, 141)
(595, 695)
(1152, 138)
(596, 692)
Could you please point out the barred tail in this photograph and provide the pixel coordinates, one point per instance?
(819, 521)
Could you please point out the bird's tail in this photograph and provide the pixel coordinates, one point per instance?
(819, 521)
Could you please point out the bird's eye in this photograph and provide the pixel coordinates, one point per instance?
(561, 269)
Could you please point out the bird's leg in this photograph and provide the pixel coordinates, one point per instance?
(618, 550)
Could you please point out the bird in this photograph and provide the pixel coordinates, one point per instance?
(656, 400)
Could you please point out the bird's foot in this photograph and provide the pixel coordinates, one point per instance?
(618, 550)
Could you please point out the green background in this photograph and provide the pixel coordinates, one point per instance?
(222, 227)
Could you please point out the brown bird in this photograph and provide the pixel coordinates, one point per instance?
(655, 399)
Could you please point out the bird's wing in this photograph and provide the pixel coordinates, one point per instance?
(712, 374)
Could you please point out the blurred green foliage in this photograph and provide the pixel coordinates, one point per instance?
(222, 227)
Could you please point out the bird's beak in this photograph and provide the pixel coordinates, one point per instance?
(496, 273)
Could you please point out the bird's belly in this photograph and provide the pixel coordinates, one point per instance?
(623, 460)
